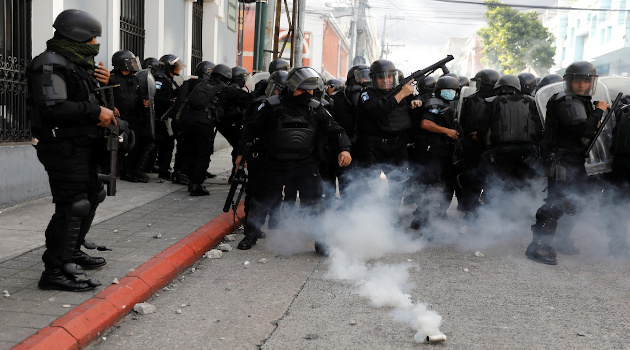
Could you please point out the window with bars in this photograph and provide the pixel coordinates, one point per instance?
(132, 27)
(15, 55)
(197, 33)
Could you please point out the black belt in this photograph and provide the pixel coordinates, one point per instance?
(382, 140)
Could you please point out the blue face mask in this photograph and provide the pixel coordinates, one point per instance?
(447, 94)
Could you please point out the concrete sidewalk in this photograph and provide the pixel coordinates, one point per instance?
(129, 223)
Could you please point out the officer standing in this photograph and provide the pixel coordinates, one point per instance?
(528, 83)
(473, 119)
(571, 119)
(68, 123)
(289, 128)
(433, 131)
(382, 129)
(515, 131)
(170, 66)
(617, 190)
(130, 104)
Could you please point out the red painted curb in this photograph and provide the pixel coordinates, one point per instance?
(87, 321)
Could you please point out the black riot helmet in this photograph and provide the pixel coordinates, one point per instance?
(278, 64)
(335, 84)
(77, 25)
(577, 76)
(171, 64)
(239, 76)
(446, 87)
(276, 83)
(548, 79)
(151, 62)
(304, 78)
(507, 84)
(203, 67)
(384, 75)
(125, 60)
(362, 75)
(528, 83)
(463, 81)
(485, 79)
(350, 79)
(427, 85)
(222, 72)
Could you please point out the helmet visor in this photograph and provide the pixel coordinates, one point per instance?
(385, 80)
(306, 79)
(273, 88)
(362, 76)
(132, 64)
(580, 85)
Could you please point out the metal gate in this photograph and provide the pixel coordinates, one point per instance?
(15, 55)
(132, 27)
(197, 33)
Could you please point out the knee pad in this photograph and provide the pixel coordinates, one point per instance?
(79, 208)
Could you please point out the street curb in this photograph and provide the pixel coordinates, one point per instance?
(87, 321)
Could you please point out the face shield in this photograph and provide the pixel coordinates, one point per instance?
(273, 88)
(306, 79)
(362, 76)
(580, 85)
(177, 65)
(385, 80)
(132, 64)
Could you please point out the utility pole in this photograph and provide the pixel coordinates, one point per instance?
(259, 35)
(384, 45)
(299, 34)
(359, 55)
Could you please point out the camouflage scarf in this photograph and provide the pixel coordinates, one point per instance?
(81, 54)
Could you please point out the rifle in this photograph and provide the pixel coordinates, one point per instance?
(112, 134)
(421, 74)
(607, 114)
(240, 178)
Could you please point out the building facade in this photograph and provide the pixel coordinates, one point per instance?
(195, 30)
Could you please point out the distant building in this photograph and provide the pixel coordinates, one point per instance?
(600, 35)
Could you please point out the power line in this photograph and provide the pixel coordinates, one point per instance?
(531, 6)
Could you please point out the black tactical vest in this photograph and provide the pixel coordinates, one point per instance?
(293, 137)
(621, 133)
(512, 121)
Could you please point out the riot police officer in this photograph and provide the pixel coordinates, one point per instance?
(571, 119)
(151, 63)
(382, 129)
(515, 131)
(130, 104)
(546, 80)
(528, 83)
(68, 123)
(170, 66)
(433, 133)
(290, 128)
(473, 119)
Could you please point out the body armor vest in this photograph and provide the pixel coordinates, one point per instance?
(470, 120)
(512, 120)
(397, 120)
(621, 134)
(293, 137)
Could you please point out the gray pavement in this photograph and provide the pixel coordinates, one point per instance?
(494, 300)
(126, 222)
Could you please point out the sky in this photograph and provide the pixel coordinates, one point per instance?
(426, 25)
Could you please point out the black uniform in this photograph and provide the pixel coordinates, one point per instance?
(571, 120)
(617, 190)
(382, 126)
(515, 131)
(64, 111)
(431, 160)
(230, 124)
(290, 130)
(164, 100)
(129, 102)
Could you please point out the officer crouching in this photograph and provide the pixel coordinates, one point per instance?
(68, 123)
(290, 128)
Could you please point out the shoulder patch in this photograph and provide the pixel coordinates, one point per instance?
(261, 106)
(434, 111)
(158, 85)
(365, 96)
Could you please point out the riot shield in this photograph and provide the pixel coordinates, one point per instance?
(259, 76)
(465, 92)
(147, 86)
(599, 160)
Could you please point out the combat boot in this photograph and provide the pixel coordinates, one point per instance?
(198, 190)
(57, 279)
(540, 249)
(87, 262)
(251, 236)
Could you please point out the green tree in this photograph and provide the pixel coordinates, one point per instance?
(512, 41)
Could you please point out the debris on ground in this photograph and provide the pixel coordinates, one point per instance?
(213, 254)
(144, 308)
